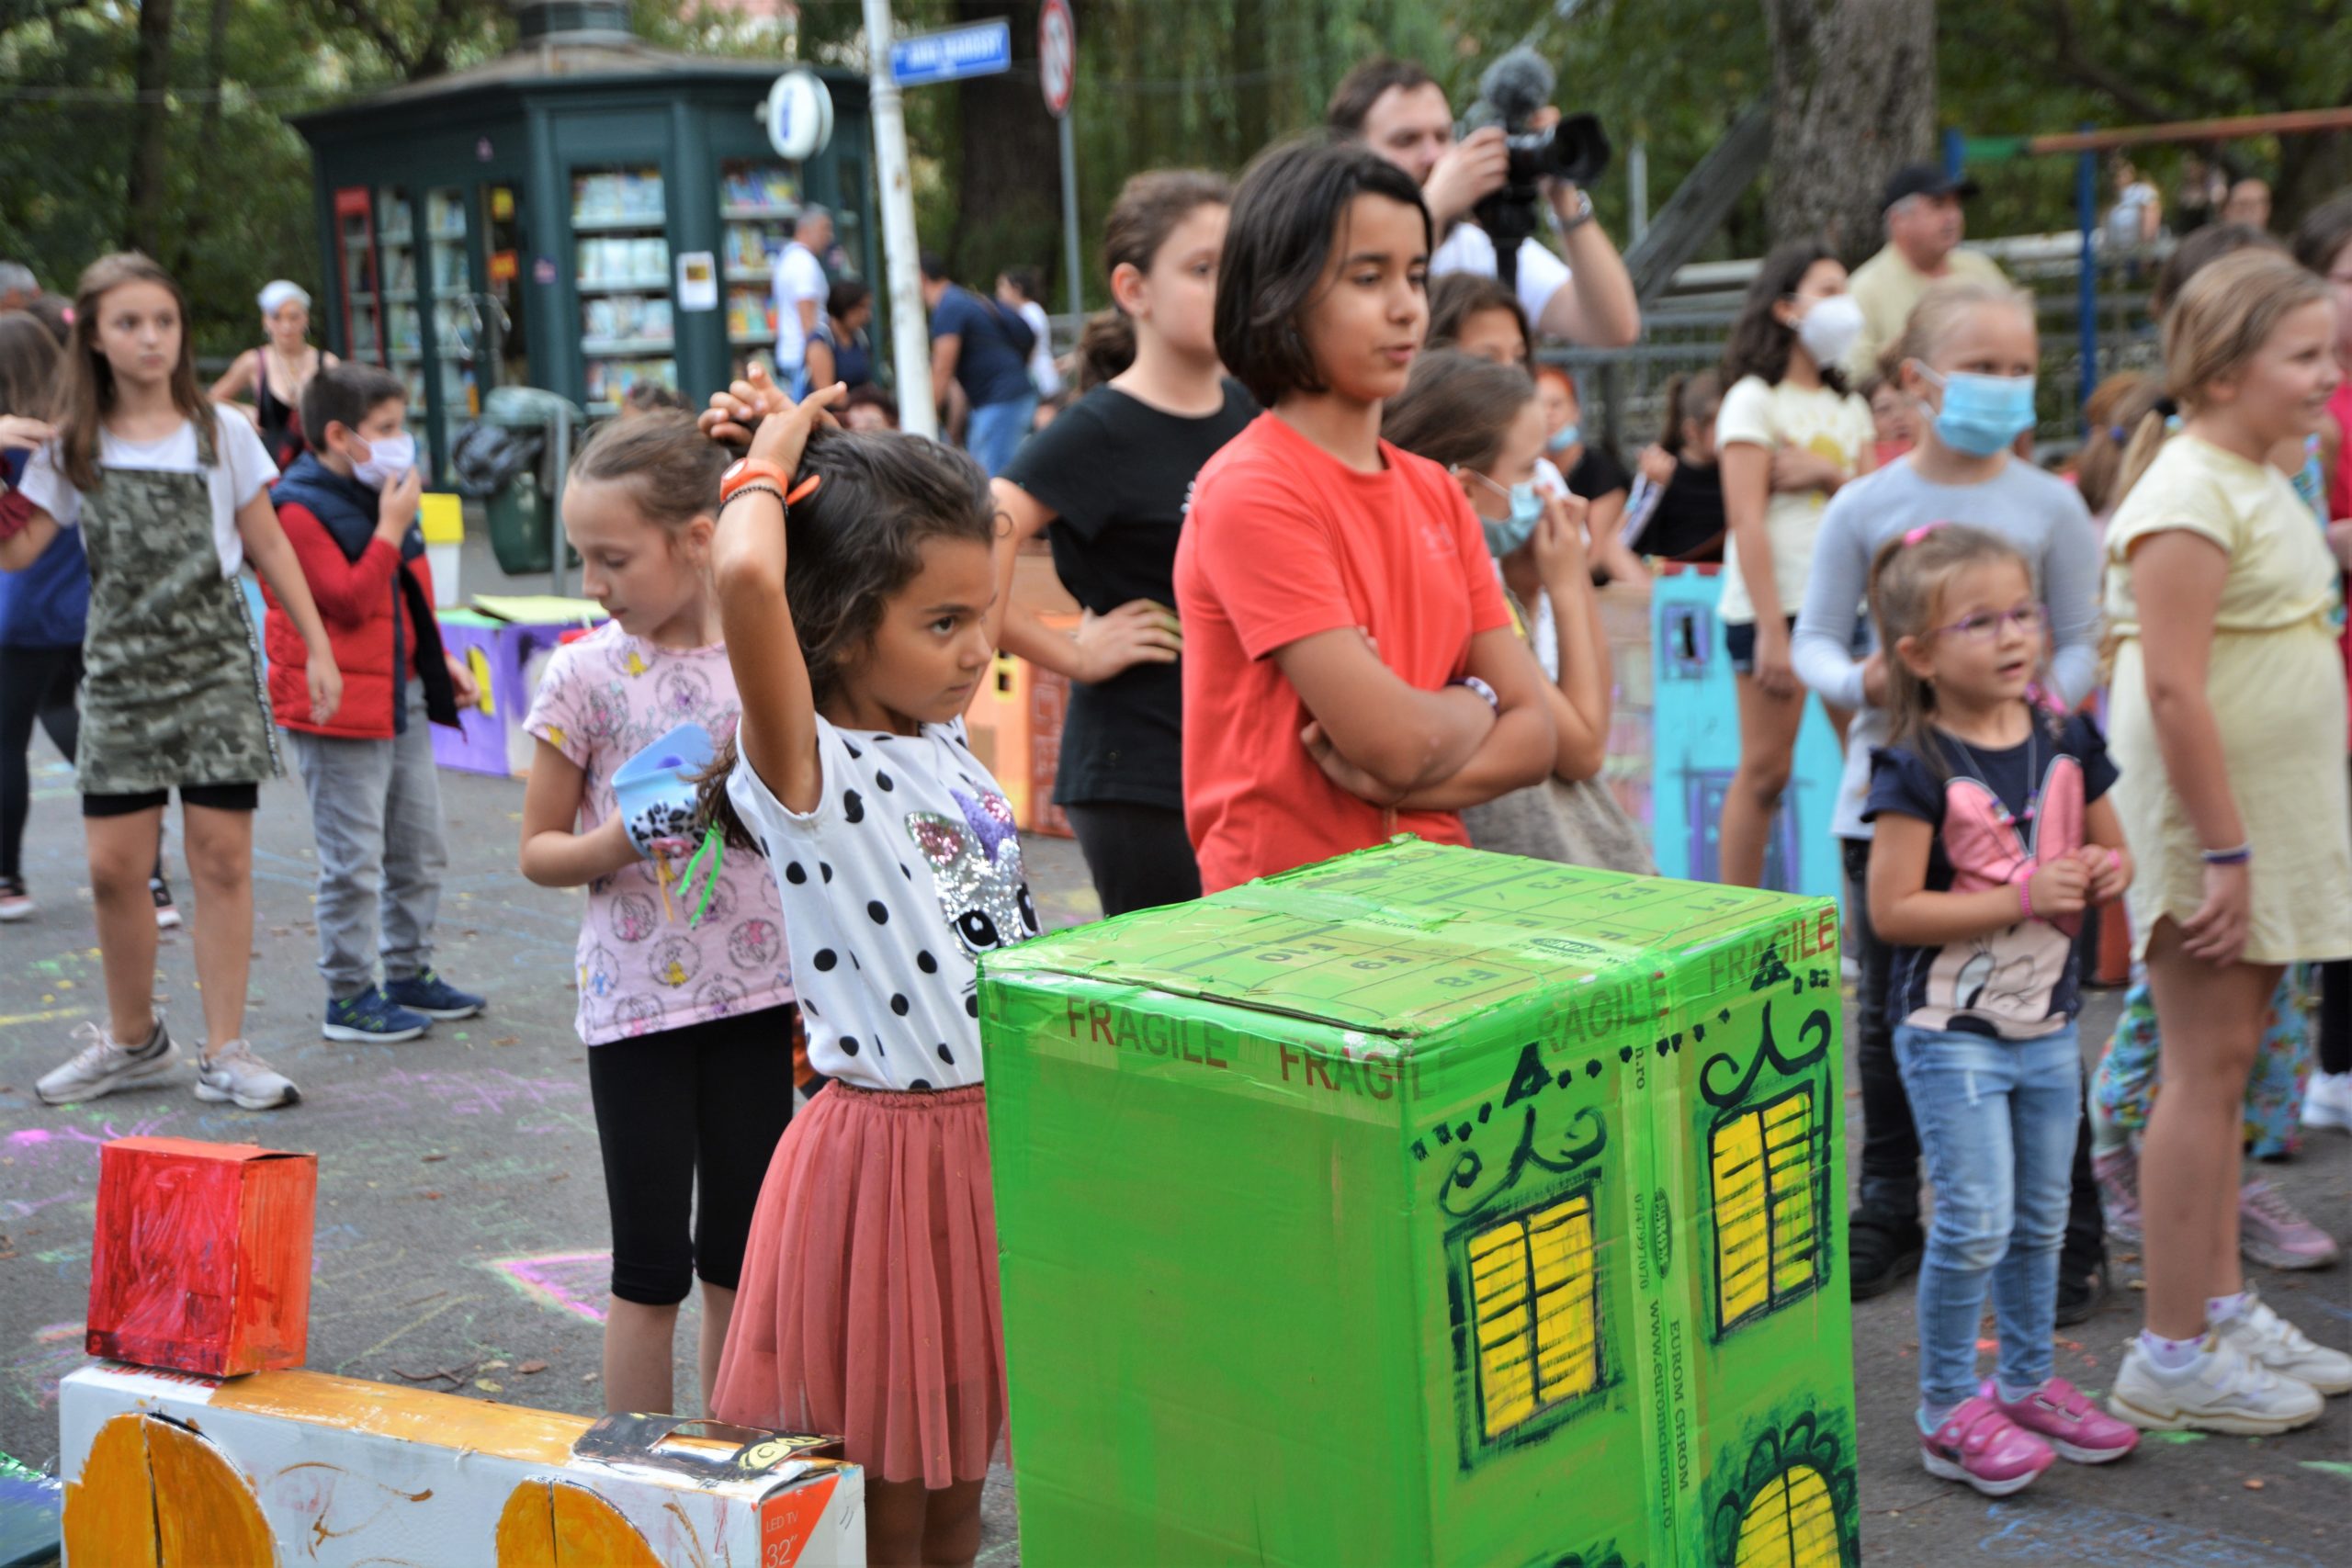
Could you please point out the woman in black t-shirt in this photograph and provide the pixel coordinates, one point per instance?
(1108, 482)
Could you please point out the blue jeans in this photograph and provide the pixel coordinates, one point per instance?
(996, 431)
(1997, 1120)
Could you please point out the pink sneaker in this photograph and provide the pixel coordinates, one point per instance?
(2272, 1233)
(2059, 1414)
(2119, 1193)
(1981, 1446)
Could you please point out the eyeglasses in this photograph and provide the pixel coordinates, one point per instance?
(1985, 624)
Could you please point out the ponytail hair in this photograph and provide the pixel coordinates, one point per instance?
(1105, 348)
(2113, 414)
(1150, 206)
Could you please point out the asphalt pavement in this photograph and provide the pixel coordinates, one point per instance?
(461, 1235)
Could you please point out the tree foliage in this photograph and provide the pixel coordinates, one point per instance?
(1204, 83)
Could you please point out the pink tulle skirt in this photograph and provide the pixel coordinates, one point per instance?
(868, 1302)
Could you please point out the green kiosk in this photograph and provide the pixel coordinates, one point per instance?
(586, 213)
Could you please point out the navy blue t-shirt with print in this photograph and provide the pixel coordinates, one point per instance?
(1998, 814)
(993, 363)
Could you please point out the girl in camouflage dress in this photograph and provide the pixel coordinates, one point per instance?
(170, 496)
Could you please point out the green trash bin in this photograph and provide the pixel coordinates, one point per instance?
(522, 516)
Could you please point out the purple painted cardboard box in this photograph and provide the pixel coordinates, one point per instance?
(480, 745)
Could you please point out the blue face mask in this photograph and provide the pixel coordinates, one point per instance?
(1567, 436)
(1982, 414)
(1506, 534)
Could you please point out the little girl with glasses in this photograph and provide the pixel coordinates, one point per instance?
(1993, 835)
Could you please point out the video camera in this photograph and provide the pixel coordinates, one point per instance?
(1574, 149)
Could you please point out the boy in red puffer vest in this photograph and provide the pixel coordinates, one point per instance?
(348, 507)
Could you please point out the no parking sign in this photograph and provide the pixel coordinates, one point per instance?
(1057, 55)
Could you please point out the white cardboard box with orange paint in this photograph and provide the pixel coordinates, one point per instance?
(168, 1470)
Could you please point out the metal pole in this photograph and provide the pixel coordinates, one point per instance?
(1637, 175)
(1070, 219)
(910, 326)
(560, 462)
(2086, 300)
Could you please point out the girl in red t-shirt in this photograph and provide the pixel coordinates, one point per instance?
(1350, 667)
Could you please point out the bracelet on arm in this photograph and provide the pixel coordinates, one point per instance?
(761, 488)
(2025, 894)
(2238, 856)
(1493, 701)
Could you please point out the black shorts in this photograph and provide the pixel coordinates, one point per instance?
(1739, 642)
(700, 1106)
(212, 797)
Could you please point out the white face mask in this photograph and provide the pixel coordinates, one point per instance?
(390, 458)
(1830, 328)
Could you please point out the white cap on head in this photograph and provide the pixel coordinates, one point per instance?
(277, 293)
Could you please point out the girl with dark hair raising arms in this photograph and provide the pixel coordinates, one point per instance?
(860, 599)
(1350, 669)
(1107, 484)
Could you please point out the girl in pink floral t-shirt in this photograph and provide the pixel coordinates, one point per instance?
(690, 1022)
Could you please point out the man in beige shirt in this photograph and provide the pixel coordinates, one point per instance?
(1924, 225)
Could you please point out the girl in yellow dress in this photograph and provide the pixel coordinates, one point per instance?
(2228, 723)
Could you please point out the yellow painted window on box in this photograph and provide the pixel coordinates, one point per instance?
(1531, 1292)
(1793, 1523)
(1762, 1170)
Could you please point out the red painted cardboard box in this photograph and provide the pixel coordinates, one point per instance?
(202, 1261)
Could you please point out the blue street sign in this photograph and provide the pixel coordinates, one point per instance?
(981, 50)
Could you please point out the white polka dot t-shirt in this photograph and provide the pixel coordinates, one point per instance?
(907, 872)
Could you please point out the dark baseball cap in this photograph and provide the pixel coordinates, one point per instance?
(1925, 179)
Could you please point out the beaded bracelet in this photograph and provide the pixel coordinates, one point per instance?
(2025, 896)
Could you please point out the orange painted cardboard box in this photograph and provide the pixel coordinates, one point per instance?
(166, 1471)
(202, 1260)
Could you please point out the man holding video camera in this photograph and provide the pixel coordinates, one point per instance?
(1397, 109)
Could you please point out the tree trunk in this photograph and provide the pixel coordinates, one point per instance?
(1009, 198)
(1853, 100)
(150, 125)
(199, 221)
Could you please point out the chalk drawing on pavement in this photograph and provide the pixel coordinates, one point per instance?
(575, 1283)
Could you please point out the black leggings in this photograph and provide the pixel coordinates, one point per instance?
(708, 1101)
(2336, 1016)
(1139, 856)
(37, 685)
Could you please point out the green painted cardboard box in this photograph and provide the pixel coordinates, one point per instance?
(1428, 1206)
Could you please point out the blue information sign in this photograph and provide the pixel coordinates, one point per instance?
(981, 50)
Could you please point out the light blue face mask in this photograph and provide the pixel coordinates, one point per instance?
(1982, 414)
(1506, 534)
(1565, 436)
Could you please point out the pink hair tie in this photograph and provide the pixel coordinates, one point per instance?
(1921, 532)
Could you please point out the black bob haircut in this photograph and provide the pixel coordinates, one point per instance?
(1286, 218)
(347, 393)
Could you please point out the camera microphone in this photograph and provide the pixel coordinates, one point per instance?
(1514, 88)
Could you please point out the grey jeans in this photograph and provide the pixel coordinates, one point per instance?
(376, 811)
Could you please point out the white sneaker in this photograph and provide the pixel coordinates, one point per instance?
(2264, 1336)
(233, 1073)
(2328, 1101)
(2221, 1391)
(102, 1066)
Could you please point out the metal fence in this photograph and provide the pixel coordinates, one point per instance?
(1623, 389)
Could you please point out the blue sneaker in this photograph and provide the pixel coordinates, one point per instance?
(427, 993)
(372, 1017)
